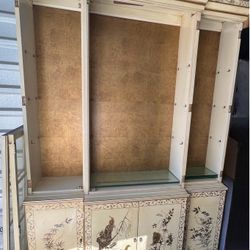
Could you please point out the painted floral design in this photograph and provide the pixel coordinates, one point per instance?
(53, 240)
(201, 234)
(162, 237)
(107, 238)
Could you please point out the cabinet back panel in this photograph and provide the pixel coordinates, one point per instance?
(132, 86)
(203, 97)
(58, 48)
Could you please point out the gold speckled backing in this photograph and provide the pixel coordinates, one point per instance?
(58, 48)
(132, 86)
(203, 97)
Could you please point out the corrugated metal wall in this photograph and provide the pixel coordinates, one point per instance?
(10, 94)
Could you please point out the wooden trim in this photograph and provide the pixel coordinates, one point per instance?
(179, 5)
(6, 193)
(14, 191)
(210, 25)
(27, 66)
(223, 17)
(74, 5)
(141, 13)
(226, 8)
(187, 56)
(223, 96)
(85, 95)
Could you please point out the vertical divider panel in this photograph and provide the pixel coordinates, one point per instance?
(27, 65)
(5, 193)
(85, 93)
(14, 191)
(187, 55)
(223, 96)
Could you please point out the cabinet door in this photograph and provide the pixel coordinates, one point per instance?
(55, 225)
(204, 219)
(161, 224)
(111, 226)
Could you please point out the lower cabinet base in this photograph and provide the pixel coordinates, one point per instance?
(153, 224)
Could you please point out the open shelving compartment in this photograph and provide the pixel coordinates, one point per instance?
(107, 89)
(138, 63)
(218, 49)
(50, 61)
(133, 68)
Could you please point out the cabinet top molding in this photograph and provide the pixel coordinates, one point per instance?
(238, 7)
(241, 3)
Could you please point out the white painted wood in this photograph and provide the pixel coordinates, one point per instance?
(27, 61)
(141, 12)
(137, 192)
(14, 191)
(161, 4)
(5, 192)
(223, 96)
(74, 5)
(224, 17)
(180, 5)
(210, 25)
(187, 56)
(85, 94)
(219, 7)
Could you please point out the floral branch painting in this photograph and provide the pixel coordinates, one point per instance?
(108, 237)
(202, 233)
(53, 240)
(162, 237)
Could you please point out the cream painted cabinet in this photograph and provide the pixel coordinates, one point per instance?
(204, 218)
(54, 225)
(142, 225)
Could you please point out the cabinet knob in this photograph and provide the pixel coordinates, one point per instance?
(140, 239)
(135, 239)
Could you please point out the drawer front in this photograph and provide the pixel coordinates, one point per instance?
(161, 224)
(111, 226)
(55, 225)
(204, 217)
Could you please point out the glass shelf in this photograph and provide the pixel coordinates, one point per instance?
(107, 179)
(199, 173)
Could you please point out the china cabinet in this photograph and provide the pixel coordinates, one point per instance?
(126, 113)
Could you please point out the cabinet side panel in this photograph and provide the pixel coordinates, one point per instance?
(203, 97)
(28, 75)
(58, 44)
(132, 84)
